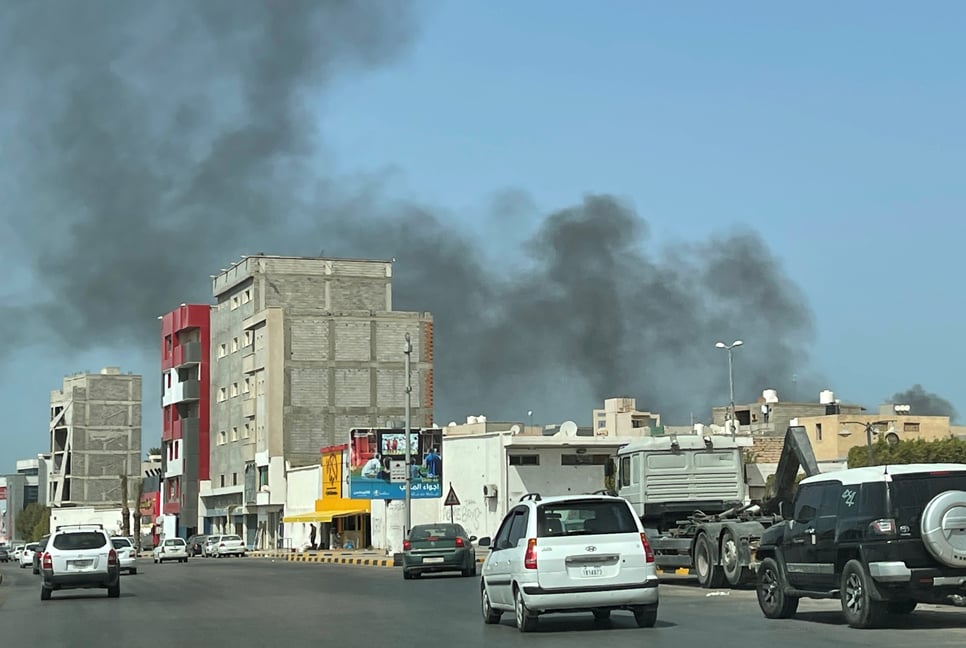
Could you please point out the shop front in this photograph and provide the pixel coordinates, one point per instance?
(337, 521)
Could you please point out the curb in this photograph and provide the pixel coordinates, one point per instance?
(367, 562)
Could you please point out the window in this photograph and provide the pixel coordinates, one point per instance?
(234, 434)
(222, 395)
(234, 344)
(247, 430)
(601, 423)
(246, 296)
(584, 518)
(222, 350)
(234, 390)
(524, 460)
(222, 437)
(246, 386)
(262, 476)
(818, 431)
(583, 459)
(234, 302)
(80, 540)
(249, 338)
(222, 481)
(910, 427)
(625, 470)
(234, 479)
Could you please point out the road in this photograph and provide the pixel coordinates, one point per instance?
(255, 602)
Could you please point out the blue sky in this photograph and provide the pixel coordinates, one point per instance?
(835, 131)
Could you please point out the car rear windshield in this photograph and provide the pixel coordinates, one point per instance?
(231, 538)
(424, 532)
(120, 543)
(174, 543)
(584, 517)
(911, 493)
(79, 540)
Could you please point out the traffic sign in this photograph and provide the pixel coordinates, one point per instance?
(451, 498)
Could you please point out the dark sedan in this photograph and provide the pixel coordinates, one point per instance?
(41, 547)
(438, 548)
(4, 555)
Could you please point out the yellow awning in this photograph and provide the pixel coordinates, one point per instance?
(321, 516)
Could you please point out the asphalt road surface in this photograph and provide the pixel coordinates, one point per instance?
(255, 602)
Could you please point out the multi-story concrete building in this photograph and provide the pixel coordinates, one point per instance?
(95, 437)
(185, 403)
(620, 417)
(302, 351)
(770, 416)
(18, 491)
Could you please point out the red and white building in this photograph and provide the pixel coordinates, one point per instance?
(185, 381)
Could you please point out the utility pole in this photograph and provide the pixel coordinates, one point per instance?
(408, 350)
(731, 380)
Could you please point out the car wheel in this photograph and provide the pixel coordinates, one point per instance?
(490, 616)
(36, 572)
(601, 615)
(646, 616)
(735, 573)
(772, 600)
(469, 571)
(45, 594)
(526, 620)
(709, 574)
(905, 606)
(858, 606)
(407, 575)
(114, 592)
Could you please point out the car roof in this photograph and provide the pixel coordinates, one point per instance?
(556, 499)
(884, 473)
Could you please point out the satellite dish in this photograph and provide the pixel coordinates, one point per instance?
(515, 429)
(568, 428)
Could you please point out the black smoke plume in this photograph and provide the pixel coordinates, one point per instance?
(156, 142)
(924, 403)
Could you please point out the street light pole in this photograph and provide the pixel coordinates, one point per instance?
(731, 379)
(869, 431)
(408, 350)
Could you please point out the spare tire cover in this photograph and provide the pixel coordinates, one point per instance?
(944, 528)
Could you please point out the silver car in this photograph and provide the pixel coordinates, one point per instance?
(561, 554)
(127, 556)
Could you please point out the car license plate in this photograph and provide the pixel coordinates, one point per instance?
(80, 563)
(590, 572)
(432, 560)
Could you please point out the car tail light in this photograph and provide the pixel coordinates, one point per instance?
(112, 558)
(459, 542)
(407, 545)
(530, 559)
(48, 561)
(221, 546)
(884, 526)
(648, 552)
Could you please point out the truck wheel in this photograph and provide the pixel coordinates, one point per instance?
(709, 573)
(772, 600)
(735, 573)
(858, 606)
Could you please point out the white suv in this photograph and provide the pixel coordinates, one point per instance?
(79, 556)
(564, 554)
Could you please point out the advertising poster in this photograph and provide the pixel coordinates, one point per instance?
(372, 451)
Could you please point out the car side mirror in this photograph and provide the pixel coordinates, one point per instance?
(472, 538)
(484, 541)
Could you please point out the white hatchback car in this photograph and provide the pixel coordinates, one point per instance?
(171, 549)
(127, 555)
(566, 554)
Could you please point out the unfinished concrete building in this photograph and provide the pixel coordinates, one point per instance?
(95, 437)
(303, 350)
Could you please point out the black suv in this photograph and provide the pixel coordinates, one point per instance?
(880, 538)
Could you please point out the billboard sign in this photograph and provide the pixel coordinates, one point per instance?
(372, 453)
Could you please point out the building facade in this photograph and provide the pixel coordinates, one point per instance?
(302, 351)
(95, 437)
(185, 403)
(620, 417)
(770, 416)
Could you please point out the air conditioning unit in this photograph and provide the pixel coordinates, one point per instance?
(489, 490)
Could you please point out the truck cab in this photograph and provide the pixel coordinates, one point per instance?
(667, 478)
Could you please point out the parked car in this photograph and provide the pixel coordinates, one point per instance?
(17, 550)
(79, 556)
(196, 545)
(882, 539)
(171, 549)
(438, 548)
(208, 548)
(4, 555)
(127, 556)
(27, 555)
(228, 545)
(561, 554)
(41, 547)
